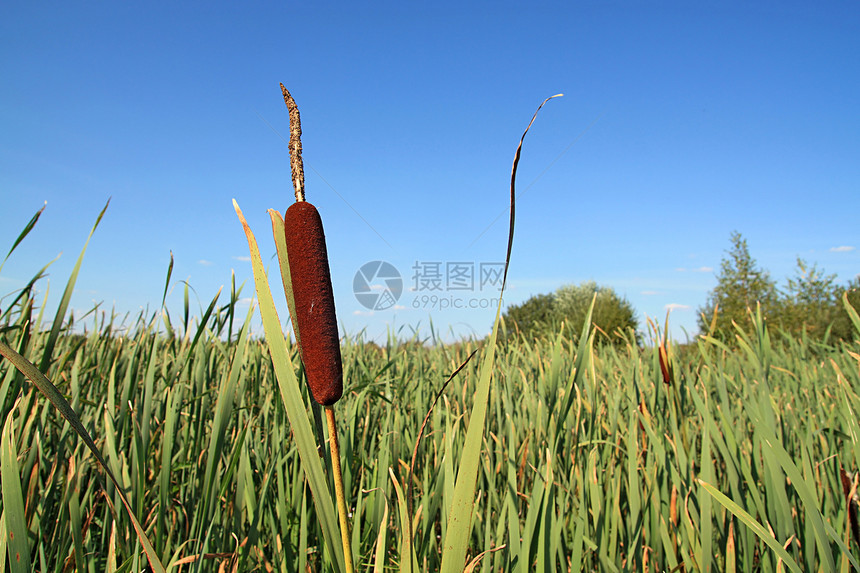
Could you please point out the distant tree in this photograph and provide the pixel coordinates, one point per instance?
(741, 284)
(544, 314)
(810, 301)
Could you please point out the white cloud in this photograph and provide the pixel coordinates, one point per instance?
(675, 306)
(377, 287)
(204, 262)
(681, 270)
(704, 270)
(362, 312)
(842, 249)
(650, 292)
(243, 258)
(400, 307)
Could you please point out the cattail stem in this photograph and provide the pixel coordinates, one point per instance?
(338, 487)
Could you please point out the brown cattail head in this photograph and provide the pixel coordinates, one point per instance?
(315, 317)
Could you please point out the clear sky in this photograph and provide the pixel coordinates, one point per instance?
(681, 122)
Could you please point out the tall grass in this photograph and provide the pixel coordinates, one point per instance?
(590, 460)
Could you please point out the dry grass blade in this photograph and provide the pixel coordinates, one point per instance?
(462, 511)
(477, 560)
(513, 189)
(409, 483)
(424, 426)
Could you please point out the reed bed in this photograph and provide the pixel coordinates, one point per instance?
(591, 459)
(186, 445)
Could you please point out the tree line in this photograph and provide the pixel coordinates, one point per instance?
(810, 303)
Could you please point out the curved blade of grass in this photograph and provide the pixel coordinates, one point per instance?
(224, 405)
(513, 192)
(379, 553)
(204, 320)
(13, 503)
(807, 496)
(409, 481)
(167, 280)
(293, 402)
(459, 524)
(284, 264)
(477, 560)
(2, 541)
(67, 296)
(173, 401)
(50, 391)
(408, 561)
(750, 522)
(706, 520)
(24, 294)
(583, 350)
(75, 520)
(852, 312)
(27, 228)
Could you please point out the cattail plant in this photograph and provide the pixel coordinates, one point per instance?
(303, 259)
(314, 319)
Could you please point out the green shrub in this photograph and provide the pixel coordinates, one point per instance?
(545, 314)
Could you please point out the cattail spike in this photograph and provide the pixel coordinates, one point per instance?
(315, 315)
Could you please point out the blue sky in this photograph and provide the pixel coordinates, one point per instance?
(681, 122)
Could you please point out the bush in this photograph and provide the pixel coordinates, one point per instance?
(545, 314)
(537, 314)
